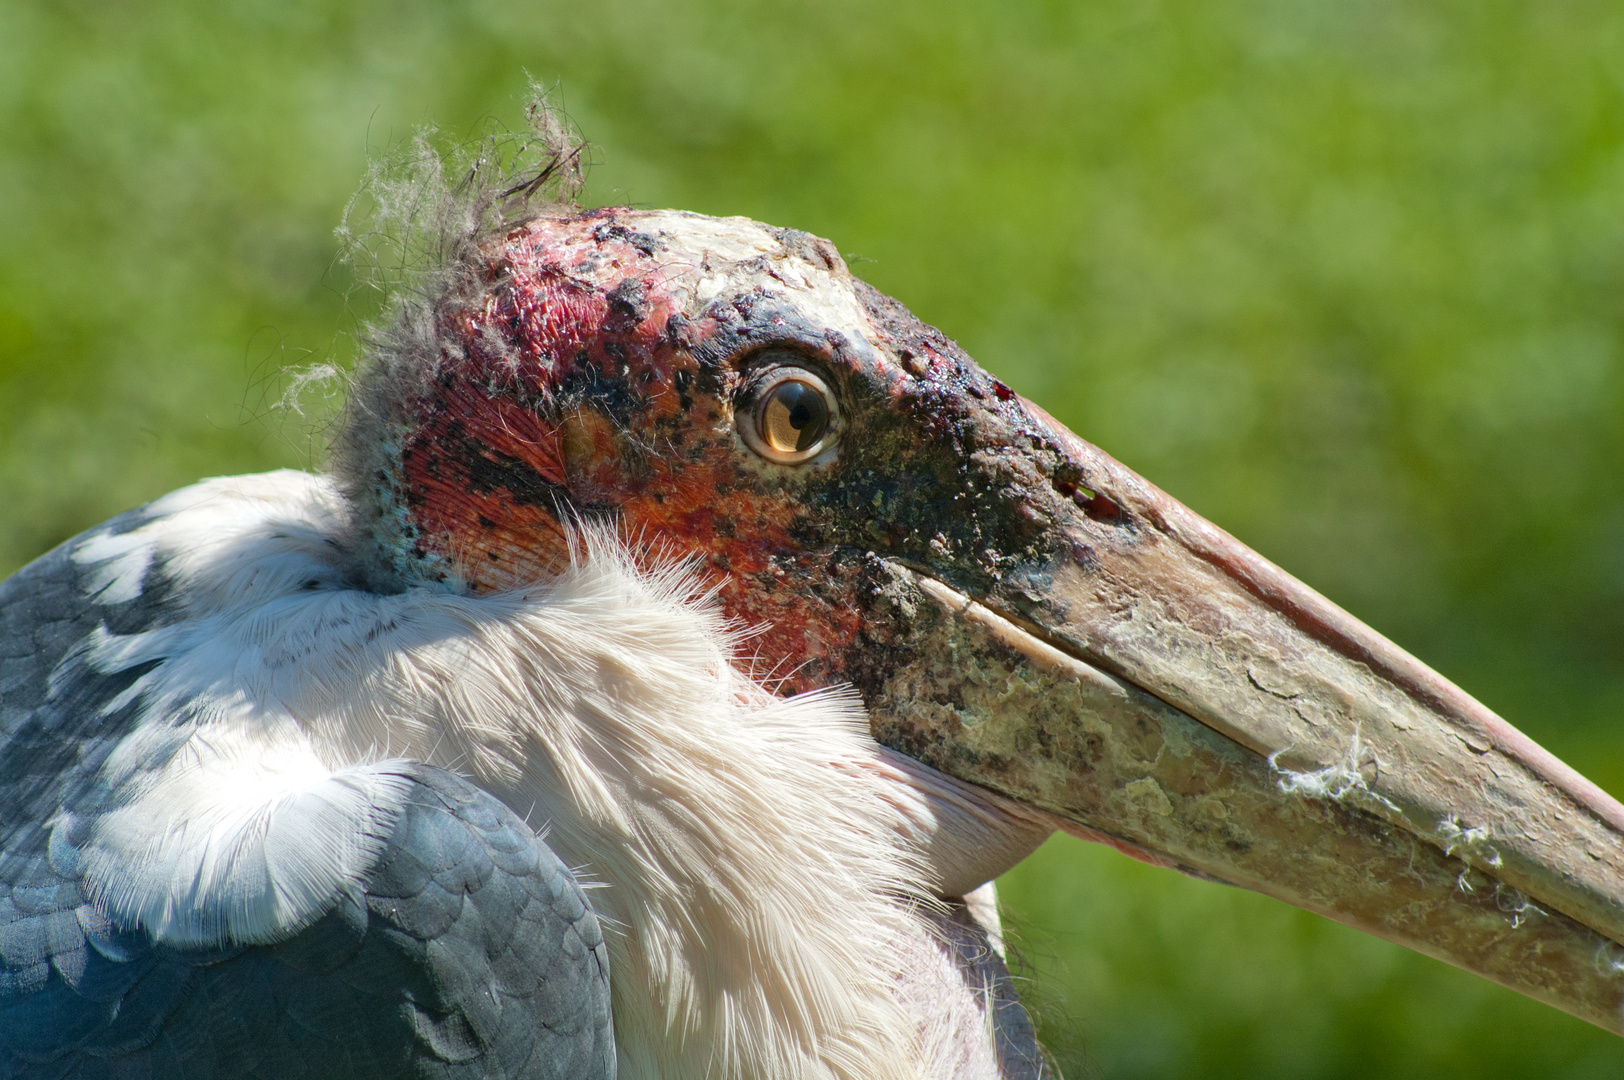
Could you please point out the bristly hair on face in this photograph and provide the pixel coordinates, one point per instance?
(413, 232)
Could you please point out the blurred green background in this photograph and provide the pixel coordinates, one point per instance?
(1346, 277)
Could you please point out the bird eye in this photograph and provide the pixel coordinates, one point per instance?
(793, 419)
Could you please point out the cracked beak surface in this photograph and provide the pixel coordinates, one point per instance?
(1161, 688)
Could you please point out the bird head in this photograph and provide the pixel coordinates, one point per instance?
(1015, 608)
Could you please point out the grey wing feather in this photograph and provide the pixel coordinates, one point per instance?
(985, 971)
(472, 952)
(52, 736)
(50, 746)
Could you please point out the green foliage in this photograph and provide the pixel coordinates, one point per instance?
(1345, 277)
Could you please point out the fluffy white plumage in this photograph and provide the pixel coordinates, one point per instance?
(765, 867)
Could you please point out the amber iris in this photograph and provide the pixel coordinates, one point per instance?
(793, 417)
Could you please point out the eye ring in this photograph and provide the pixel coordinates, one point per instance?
(792, 416)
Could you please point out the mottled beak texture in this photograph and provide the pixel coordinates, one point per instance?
(1017, 609)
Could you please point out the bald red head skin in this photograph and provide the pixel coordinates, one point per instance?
(1017, 609)
(578, 389)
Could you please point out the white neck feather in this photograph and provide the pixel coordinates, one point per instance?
(759, 868)
(754, 884)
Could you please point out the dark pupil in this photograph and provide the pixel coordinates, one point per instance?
(795, 417)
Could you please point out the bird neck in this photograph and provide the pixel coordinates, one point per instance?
(762, 907)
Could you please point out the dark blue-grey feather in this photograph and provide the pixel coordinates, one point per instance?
(470, 953)
(51, 745)
(986, 974)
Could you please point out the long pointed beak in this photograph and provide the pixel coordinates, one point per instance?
(1164, 689)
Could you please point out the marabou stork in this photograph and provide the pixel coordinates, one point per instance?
(684, 636)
